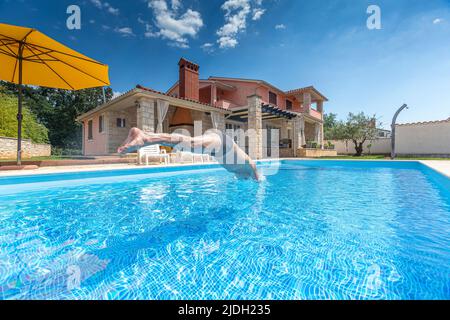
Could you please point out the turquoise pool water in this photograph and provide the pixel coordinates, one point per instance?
(314, 230)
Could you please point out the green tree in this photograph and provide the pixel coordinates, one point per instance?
(329, 124)
(31, 128)
(58, 110)
(358, 128)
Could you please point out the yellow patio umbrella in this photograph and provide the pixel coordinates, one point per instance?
(28, 56)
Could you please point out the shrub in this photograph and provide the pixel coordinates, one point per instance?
(31, 128)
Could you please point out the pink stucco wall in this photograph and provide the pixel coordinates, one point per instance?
(205, 95)
(98, 145)
(245, 89)
(238, 97)
(230, 99)
(174, 91)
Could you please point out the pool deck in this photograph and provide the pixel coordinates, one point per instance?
(441, 166)
(87, 168)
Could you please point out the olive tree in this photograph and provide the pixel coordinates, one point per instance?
(359, 128)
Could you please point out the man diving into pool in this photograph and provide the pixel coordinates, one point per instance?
(214, 142)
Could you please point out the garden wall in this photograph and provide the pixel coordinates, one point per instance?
(424, 139)
(379, 146)
(8, 149)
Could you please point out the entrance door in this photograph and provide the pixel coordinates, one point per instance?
(269, 140)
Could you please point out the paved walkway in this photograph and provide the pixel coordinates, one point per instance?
(440, 166)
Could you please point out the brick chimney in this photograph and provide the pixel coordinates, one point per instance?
(189, 82)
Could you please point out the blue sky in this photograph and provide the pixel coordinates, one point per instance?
(289, 43)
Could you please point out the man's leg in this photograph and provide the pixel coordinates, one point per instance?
(242, 165)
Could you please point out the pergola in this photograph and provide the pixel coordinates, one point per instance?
(269, 112)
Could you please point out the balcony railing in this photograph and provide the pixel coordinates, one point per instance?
(312, 112)
(225, 104)
(315, 114)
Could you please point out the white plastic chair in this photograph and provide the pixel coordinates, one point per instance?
(193, 156)
(153, 151)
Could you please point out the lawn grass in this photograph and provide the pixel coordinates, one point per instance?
(382, 157)
(364, 157)
(37, 159)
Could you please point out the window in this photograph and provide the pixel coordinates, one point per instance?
(288, 105)
(90, 131)
(121, 123)
(272, 98)
(100, 124)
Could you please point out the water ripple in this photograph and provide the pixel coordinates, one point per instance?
(306, 233)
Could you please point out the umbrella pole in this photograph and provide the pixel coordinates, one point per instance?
(19, 113)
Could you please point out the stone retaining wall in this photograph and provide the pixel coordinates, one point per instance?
(8, 149)
(315, 153)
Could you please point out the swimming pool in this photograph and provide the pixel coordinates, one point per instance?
(314, 230)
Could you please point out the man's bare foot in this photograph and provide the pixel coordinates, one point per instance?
(134, 141)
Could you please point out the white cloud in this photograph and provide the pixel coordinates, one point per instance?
(258, 13)
(116, 94)
(97, 3)
(208, 47)
(236, 14)
(438, 20)
(280, 27)
(176, 4)
(149, 33)
(125, 31)
(173, 26)
(112, 10)
(106, 6)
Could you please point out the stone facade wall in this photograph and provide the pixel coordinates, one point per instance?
(255, 127)
(297, 124)
(198, 116)
(315, 153)
(221, 123)
(8, 149)
(116, 136)
(146, 117)
(207, 122)
(310, 132)
(168, 119)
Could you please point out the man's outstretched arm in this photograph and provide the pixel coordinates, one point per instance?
(243, 166)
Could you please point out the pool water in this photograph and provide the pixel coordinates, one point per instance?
(313, 230)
